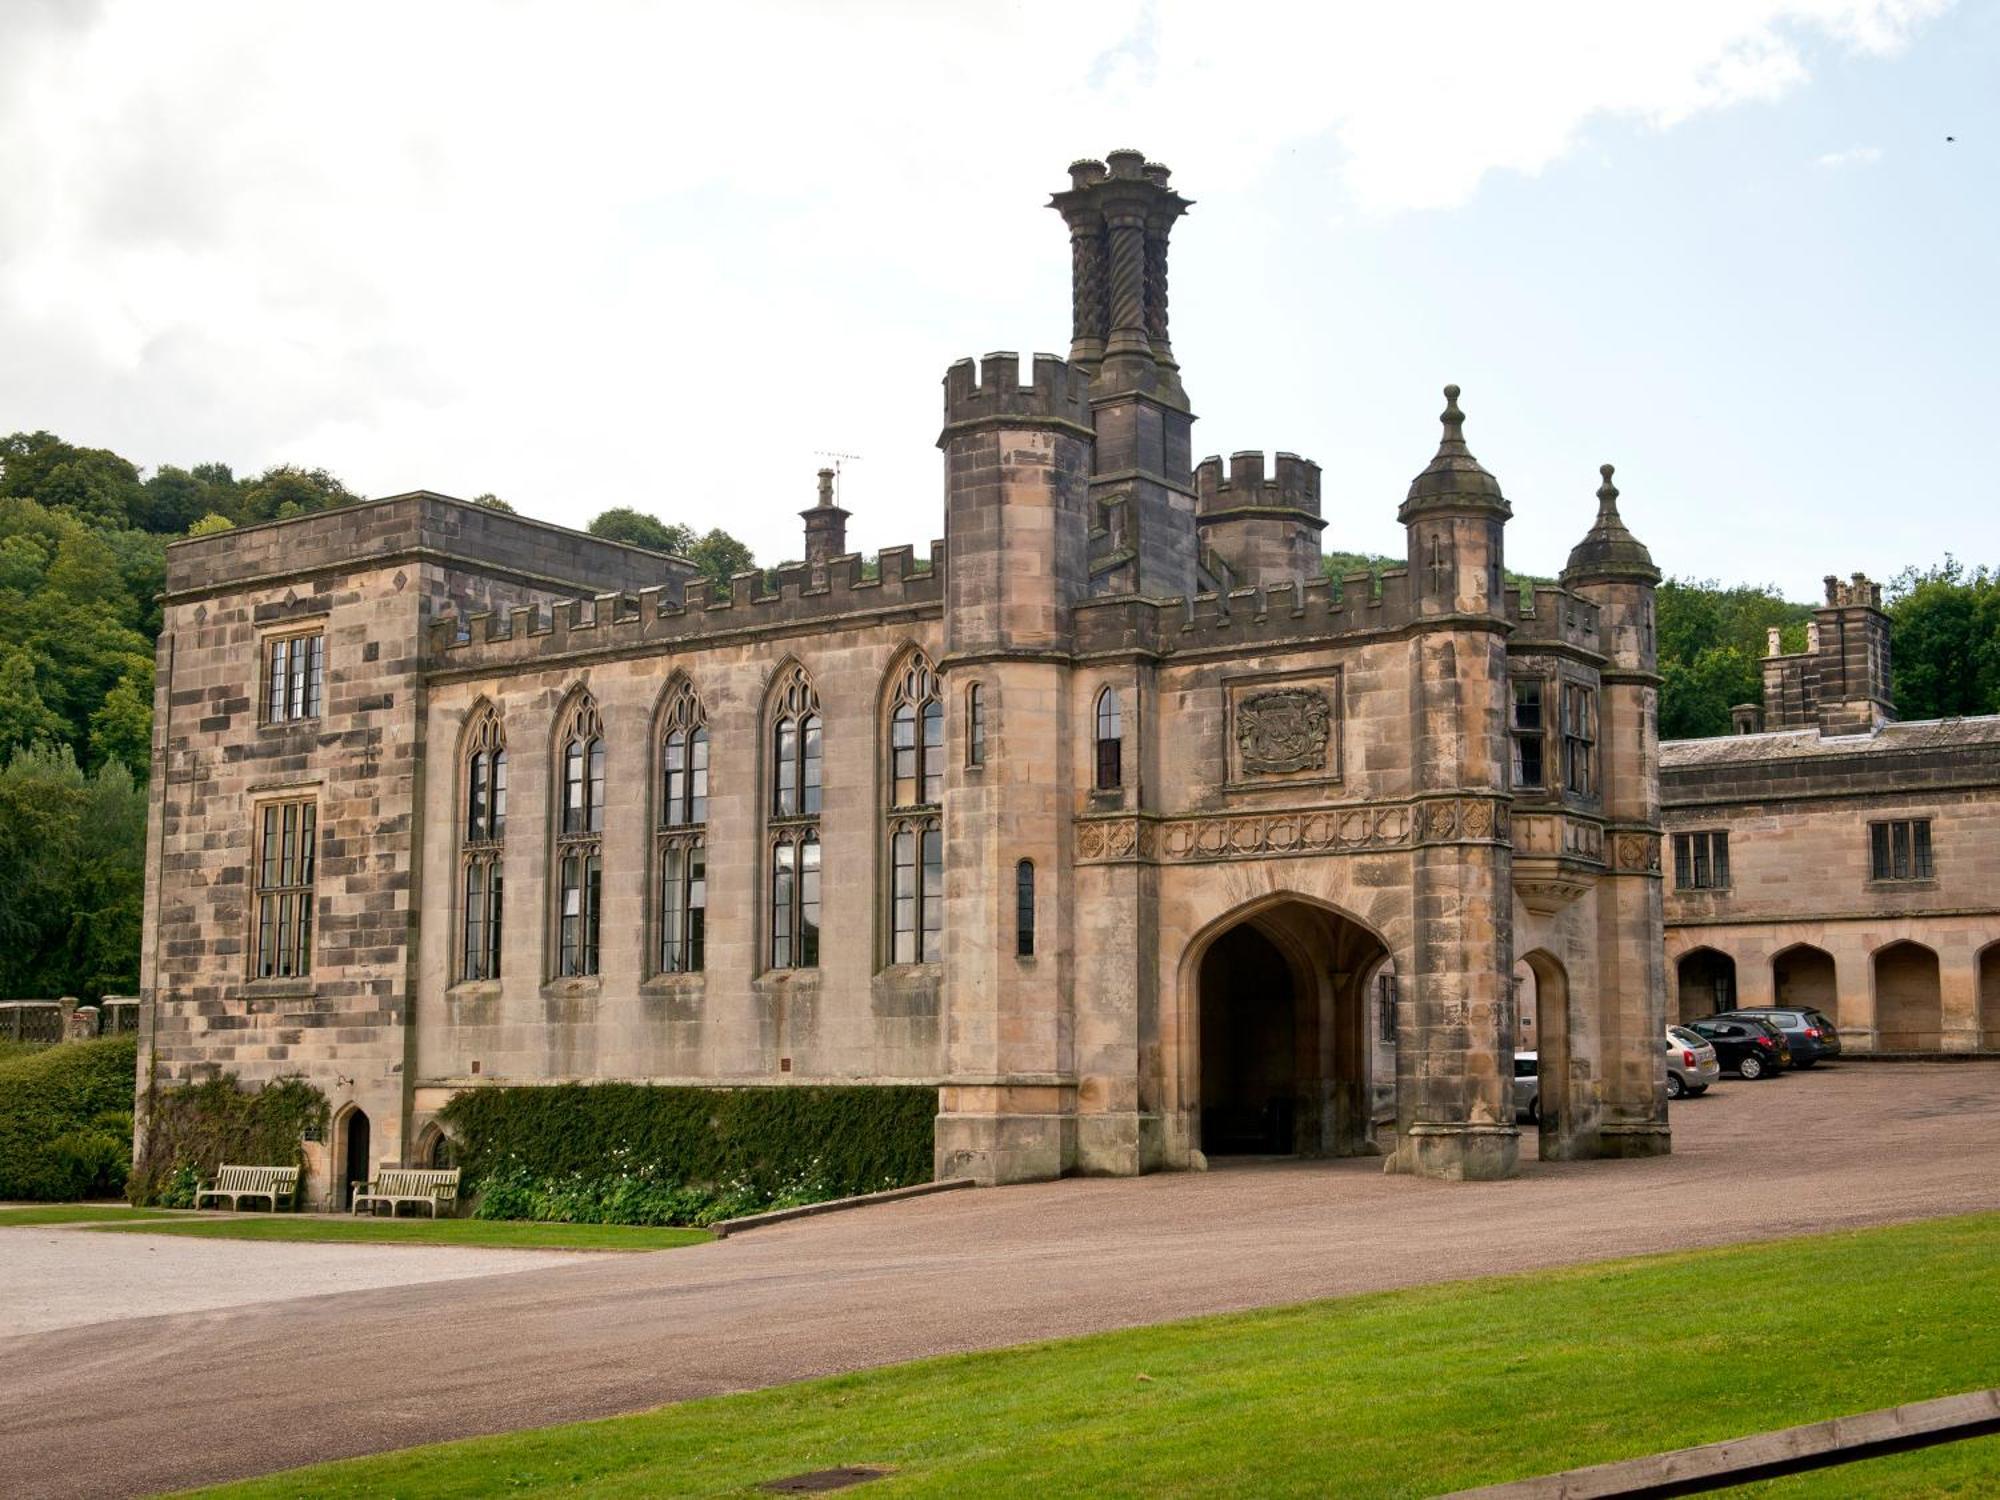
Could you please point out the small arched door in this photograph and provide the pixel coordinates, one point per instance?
(355, 1171)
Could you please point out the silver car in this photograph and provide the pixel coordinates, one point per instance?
(1691, 1064)
(1528, 1087)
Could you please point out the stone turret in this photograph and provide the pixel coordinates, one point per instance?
(1612, 569)
(1455, 1113)
(1455, 518)
(1266, 530)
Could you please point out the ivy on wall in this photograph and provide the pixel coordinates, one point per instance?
(191, 1131)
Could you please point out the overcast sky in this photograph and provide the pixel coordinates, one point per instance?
(586, 255)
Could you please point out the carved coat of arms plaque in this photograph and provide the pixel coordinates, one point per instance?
(1284, 731)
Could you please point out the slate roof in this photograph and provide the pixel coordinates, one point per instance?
(1799, 744)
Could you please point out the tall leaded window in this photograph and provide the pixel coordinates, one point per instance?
(975, 725)
(681, 844)
(1024, 909)
(794, 822)
(286, 839)
(1579, 739)
(482, 841)
(294, 677)
(1110, 742)
(916, 837)
(1529, 729)
(579, 842)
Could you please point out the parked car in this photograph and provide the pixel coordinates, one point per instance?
(1808, 1032)
(1527, 1088)
(1691, 1063)
(1753, 1048)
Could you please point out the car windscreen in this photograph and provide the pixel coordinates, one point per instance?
(1685, 1037)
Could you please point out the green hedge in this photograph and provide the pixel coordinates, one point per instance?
(190, 1131)
(748, 1145)
(66, 1120)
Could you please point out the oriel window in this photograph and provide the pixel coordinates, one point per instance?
(1110, 742)
(1530, 731)
(1579, 739)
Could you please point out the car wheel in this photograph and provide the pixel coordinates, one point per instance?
(1535, 1110)
(1752, 1067)
(1675, 1088)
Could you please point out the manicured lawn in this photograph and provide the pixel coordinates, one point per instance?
(492, 1234)
(1401, 1393)
(74, 1213)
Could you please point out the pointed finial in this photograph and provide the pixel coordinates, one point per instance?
(1453, 419)
(1454, 476)
(1607, 492)
(1609, 550)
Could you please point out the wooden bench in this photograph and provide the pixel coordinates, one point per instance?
(438, 1188)
(277, 1184)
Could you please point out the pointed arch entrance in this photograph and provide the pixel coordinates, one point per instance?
(1707, 983)
(1555, 1122)
(1909, 1004)
(1989, 998)
(1804, 976)
(1281, 1057)
(351, 1155)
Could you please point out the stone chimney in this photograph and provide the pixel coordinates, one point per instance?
(826, 527)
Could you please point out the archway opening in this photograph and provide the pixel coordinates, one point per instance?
(1283, 1045)
(354, 1156)
(436, 1149)
(1989, 999)
(1909, 1003)
(1803, 978)
(1540, 1087)
(1707, 983)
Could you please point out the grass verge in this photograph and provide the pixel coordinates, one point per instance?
(75, 1213)
(1402, 1393)
(492, 1234)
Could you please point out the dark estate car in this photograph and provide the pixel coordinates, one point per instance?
(1808, 1031)
(1754, 1048)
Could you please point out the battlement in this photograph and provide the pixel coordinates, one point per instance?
(1548, 615)
(1244, 618)
(1058, 391)
(1860, 591)
(691, 613)
(1294, 487)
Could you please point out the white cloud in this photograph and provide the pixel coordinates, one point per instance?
(591, 254)
(1853, 156)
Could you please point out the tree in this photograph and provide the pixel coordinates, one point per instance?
(121, 728)
(1944, 640)
(637, 529)
(719, 555)
(285, 490)
(72, 876)
(493, 502)
(1711, 642)
(25, 717)
(211, 523)
(92, 483)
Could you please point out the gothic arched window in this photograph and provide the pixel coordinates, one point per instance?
(579, 842)
(794, 821)
(682, 841)
(916, 836)
(1110, 742)
(482, 838)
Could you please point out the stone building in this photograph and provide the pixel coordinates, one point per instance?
(1112, 818)
(1828, 855)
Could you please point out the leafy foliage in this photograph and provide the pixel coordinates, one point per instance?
(193, 1130)
(72, 876)
(1945, 640)
(66, 1120)
(644, 1154)
(1711, 643)
(716, 553)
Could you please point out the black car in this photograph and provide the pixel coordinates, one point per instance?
(1808, 1031)
(1754, 1048)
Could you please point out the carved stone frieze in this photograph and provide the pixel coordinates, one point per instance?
(1638, 852)
(1283, 731)
(1101, 840)
(1475, 819)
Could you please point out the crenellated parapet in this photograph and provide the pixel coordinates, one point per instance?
(1283, 614)
(1293, 487)
(992, 392)
(1547, 615)
(695, 613)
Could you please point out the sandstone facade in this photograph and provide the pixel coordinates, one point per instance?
(1862, 854)
(1112, 818)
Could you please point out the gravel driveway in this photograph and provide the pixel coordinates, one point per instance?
(142, 1404)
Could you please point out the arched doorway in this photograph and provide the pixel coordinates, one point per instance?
(1707, 983)
(1282, 1056)
(1989, 998)
(435, 1149)
(1909, 1004)
(353, 1158)
(1804, 976)
(1556, 1129)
